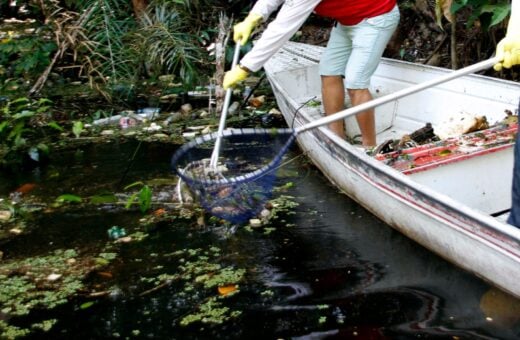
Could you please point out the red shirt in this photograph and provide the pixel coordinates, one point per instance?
(350, 12)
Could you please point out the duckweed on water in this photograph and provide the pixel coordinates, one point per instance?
(201, 276)
(283, 204)
(212, 311)
(40, 283)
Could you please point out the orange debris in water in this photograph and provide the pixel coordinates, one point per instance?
(159, 212)
(225, 290)
(26, 188)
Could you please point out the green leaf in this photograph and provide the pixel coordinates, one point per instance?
(23, 114)
(2, 126)
(55, 126)
(77, 128)
(16, 131)
(133, 185)
(21, 100)
(145, 198)
(131, 200)
(86, 305)
(43, 148)
(68, 198)
(498, 12)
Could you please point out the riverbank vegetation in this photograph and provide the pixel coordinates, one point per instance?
(92, 59)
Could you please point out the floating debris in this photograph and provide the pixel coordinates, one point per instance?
(116, 232)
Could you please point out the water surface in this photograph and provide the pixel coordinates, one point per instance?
(329, 269)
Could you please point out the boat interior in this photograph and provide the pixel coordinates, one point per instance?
(465, 128)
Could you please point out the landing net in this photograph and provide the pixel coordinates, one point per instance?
(237, 188)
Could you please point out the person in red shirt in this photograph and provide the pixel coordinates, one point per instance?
(354, 49)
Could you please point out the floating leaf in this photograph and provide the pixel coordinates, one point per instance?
(69, 198)
(159, 212)
(225, 290)
(86, 305)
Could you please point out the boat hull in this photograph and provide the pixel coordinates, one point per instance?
(466, 236)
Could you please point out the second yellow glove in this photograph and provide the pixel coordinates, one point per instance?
(242, 30)
(234, 76)
(508, 49)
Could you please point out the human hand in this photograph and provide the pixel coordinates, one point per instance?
(234, 76)
(508, 51)
(242, 30)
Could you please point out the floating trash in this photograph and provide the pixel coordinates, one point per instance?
(116, 232)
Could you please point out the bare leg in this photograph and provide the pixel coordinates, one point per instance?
(365, 119)
(333, 95)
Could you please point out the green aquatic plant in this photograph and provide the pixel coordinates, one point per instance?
(143, 197)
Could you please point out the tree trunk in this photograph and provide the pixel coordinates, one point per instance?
(139, 7)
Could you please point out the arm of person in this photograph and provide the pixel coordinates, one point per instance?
(290, 18)
(264, 8)
(508, 49)
(260, 12)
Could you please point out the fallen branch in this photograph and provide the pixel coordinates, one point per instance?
(156, 288)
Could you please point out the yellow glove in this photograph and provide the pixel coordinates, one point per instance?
(243, 29)
(508, 50)
(233, 77)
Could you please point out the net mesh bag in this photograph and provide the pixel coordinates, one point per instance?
(241, 182)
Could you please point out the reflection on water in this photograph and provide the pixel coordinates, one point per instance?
(331, 270)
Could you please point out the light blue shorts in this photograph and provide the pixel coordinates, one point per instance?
(355, 51)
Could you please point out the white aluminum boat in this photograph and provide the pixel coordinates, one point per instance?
(451, 196)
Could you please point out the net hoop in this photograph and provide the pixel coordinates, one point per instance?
(251, 176)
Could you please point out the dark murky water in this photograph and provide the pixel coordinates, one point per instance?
(332, 270)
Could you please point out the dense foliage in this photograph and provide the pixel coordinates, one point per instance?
(110, 43)
(105, 42)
